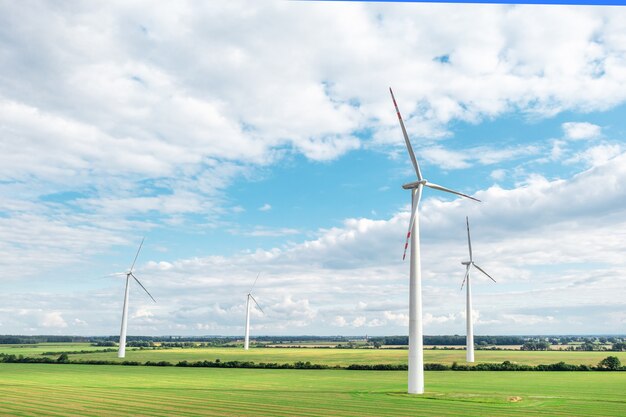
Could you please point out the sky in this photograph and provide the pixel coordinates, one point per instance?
(248, 137)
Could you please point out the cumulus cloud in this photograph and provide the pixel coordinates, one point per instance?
(519, 235)
(581, 130)
(597, 155)
(465, 158)
(398, 319)
(339, 321)
(498, 174)
(53, 319)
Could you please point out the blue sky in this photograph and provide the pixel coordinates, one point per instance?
(242, 138)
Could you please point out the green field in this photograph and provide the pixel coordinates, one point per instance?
(37, 349)
(36, 389)
(344, 357)
(332, 357)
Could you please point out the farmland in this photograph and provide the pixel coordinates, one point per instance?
(35, 389)
(344, 357)
(38, 348)
(325, 356)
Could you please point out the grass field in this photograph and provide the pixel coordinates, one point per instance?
(346, 357)
(35, 389)
(37, 349)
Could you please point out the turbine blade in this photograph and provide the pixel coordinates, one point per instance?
(136, 255)
(257, 304)
(406, 139)
(469, 241)
(447, 190)
(465, 277)
(481, 270)
(415, 202)
(141, 285)
(257, 277)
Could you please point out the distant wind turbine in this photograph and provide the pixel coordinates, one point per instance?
(122, 351)
(468, 306)
(416, 340)
(246, 343)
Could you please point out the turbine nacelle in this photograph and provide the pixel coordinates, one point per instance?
(466, 263)
(414, 184)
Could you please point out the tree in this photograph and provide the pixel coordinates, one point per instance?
(618, 346)
(377, 344)
(610, 363)
(63, 358)
(536, 345)
(587, 346)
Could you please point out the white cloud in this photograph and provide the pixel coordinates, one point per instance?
(264, 231)
(146, 104)
(430, 318)
(142, 313)
(339, 321)
(581, 130)
(557, 150)
(376, 323)
(465, 158)
(498, 174)
(399, 319)
(527, 319)
(359, 321)
(53, 319)
(445, 158)
(597, 155)
(265, 207)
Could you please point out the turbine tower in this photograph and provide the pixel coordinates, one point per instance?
(416, 340)
(246, 343)
(122, 351)
(469, 351)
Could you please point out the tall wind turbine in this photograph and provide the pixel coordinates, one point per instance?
(469, 353)
(122, 351)
(246, 343)
(416, 340)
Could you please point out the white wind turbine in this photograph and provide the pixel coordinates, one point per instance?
(122, 351)
(246, 343)
(416, 340)
(468, 306)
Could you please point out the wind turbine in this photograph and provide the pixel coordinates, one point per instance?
(246, 343)
(416, 339)
(468, 306)
(122, 351)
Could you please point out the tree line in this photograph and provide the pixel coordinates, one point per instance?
(610, 363)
